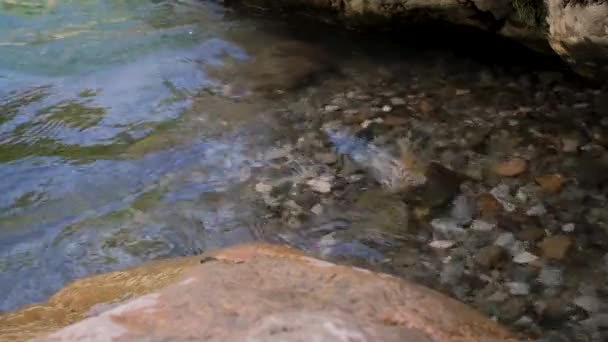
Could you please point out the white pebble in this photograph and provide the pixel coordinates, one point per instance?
(505, 240)
(524, 321)
(537, 210)
(568, 227)
(387, 108)
(317, 209)
(524, 258)
(331, 108)
(397, 101)
(442, 244)
(319, 185)
(263, 188)
(368, 122)
(518, 288)
(482, 226)
(447, 226)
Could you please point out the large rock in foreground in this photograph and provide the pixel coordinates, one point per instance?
(271, 293)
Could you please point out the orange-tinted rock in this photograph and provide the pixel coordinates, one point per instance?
(487, 205)
(263, 292)
(426, 106)
(511, 167)
(86, 296)
(551, 183)
(556, 247)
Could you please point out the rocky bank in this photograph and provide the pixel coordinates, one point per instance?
(576, 30)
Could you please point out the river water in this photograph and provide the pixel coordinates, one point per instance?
(99, 142)
(135, 130)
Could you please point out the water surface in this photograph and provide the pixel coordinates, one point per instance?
(103, 160)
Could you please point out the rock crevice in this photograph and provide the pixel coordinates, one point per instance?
(577, 30)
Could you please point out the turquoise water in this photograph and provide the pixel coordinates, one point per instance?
(109, 153)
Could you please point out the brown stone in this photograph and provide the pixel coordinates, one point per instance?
(393, 120)
(426, 106)
(263, 292)
(555, 247)
(530, 234)
(490, 256)
(512, 309)
(551, 183)
(510, 168)
(487, 205)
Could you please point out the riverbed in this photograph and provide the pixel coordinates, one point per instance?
(138, 130)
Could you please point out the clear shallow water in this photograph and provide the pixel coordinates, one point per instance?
(106, 160)
(138, 130)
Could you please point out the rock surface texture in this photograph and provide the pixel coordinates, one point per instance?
(577, 30)
(254, 293)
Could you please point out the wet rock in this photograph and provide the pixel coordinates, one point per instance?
(398, 101)
(442, 244)
(518, 288)
(596, 321)
(510, 168)
(498, 297)
(524, 321)
(460, 92)
(505, 240)
(588, 303)
(592, 171)
(551, 183)
(487, 205)
(536, 210)
(332, 247)
(262, 285)
(531, 234)
(348, 167)
(317, 209)
(447, 227)
(451, 273)
(305, 199)
(326, 158)
(491, 256)
(441, 186)
(405, 258)
(552, 309)
(263, 188)
(502, 194)
(570, 144)
(512, 309)
(462, 210)
(556, 247)
(568, 227)
(278, 153)
(320, 185)
(331, 108)
(368, 123)
(426, 107)
(550, 276)
(482, 226)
